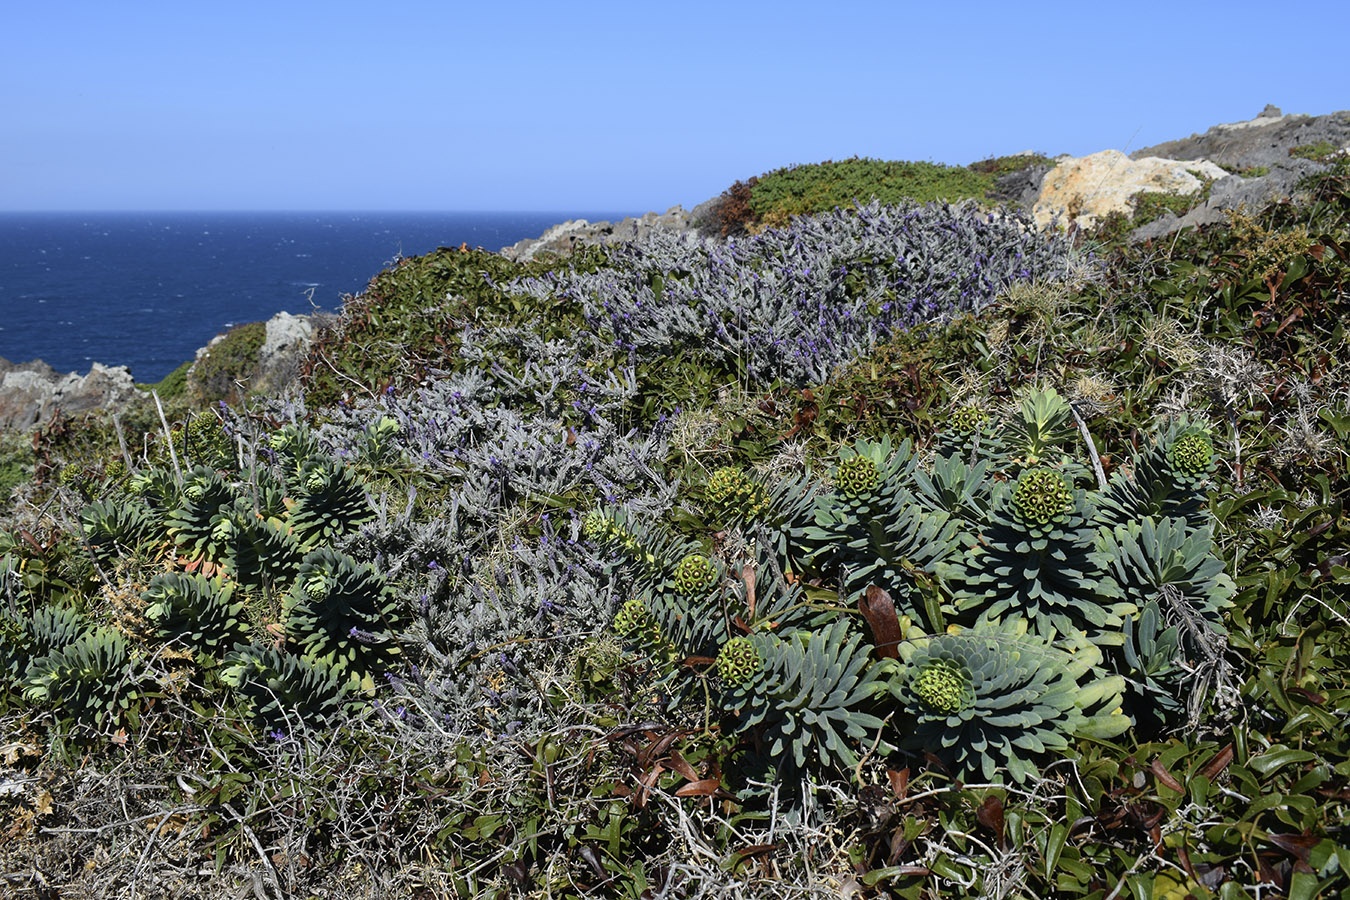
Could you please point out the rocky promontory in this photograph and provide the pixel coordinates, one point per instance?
(568, 236)
(32, 392)
(259, 356)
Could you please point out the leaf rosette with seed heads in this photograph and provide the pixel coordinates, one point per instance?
(731, 495)
(990, 701)
(694, 575)
(1192, 459)
(1041, 501)
(738, 660)
(856, 476)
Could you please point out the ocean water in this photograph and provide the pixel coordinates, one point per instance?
(145, 290)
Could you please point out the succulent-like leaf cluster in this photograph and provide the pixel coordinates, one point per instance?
(878, 530)
(1034, 559)
(286, 691)
(191, 523)
(257, 552)
(985, 701)
(1168, 481)
(329, 502)
(197, 611)
(85, 681)
(343, 612)
(808, 693)
(111, 527)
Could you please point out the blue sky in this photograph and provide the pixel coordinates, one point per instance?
(620, 106)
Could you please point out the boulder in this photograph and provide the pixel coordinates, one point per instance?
(31, 393)
(283, 350)
(1084, 190)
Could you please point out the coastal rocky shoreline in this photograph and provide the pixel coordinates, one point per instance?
(1229, 166)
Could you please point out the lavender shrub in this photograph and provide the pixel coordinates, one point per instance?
(793, 304)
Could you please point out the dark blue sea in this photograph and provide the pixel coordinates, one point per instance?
(145, 290)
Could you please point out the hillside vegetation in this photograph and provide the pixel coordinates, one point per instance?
(772, 199)
(899, 551)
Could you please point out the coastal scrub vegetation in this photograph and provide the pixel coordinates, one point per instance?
(772, 199)
(899, 551)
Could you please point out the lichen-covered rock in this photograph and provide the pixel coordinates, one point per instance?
(31, 393)
(1085, 190)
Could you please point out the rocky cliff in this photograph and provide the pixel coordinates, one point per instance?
(32, 392)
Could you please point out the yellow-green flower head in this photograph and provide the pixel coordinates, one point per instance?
(632, 617)
(279, 441)
(695, 574)
(941, 687)
(738, 661)
(1191, 453)
(731, 491)
(316, 480)
(222, 529)
(967, 420)
(857, 475)
(317, 587)
(1042, 496)
(595, 526)
(194, 491)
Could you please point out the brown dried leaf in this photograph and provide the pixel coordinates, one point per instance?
(1165, 777)
(1216, 765)
(879, 611)
(990, 815)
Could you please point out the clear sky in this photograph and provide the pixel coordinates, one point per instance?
(146, 105)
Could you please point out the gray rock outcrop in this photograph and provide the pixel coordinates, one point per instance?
(31, 393)
(566, 237)
(288, 339)
(1261, 154)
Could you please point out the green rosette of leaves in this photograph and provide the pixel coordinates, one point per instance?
(967, 431)
(872, 530)
(1042, 434)
(25, 638)
(990, 701)
(1036, 560)
(294, 446)
(285, 691)
(330, 503)
(190, 524)
(257, 551)
(810, 694)
(345, 613)
(87, 681)
(196, 611)
(1169, 480)
(112, 527)
(1172, 563)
